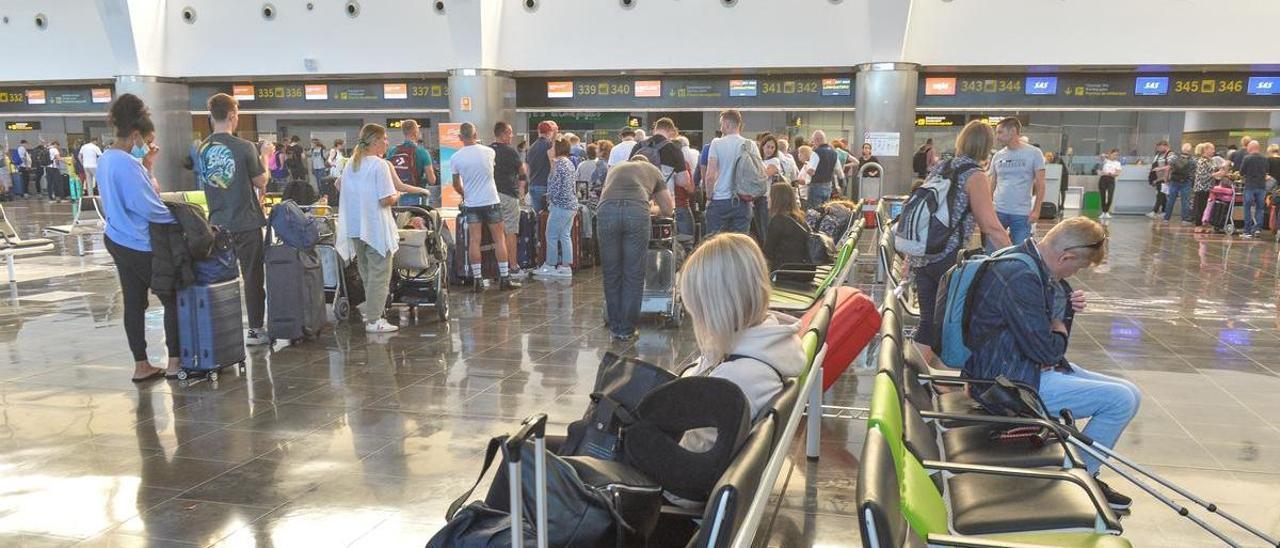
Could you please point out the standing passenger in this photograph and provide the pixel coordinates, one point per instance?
(726, 210)
(472, 167)
(366, 230)
(562, 205)
(1017, 174)
(624, 230)
(509, 177)
(1107, 180)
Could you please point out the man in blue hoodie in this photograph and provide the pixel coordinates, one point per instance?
(1020, 323)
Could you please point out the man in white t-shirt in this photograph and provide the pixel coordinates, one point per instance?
(89, 153)
(726, 212)
(622, 151)
(472, 167)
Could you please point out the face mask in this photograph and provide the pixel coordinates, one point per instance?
(140, 151)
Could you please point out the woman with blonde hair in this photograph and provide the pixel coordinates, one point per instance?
(725, 286)
(366, 231)
(975, 208)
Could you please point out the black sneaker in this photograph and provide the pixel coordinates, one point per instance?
(506, 283)
(477, 285)
(1116, 500)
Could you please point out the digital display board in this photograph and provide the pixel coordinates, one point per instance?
(939, 86)
(1042, 85)
(56, 99)
(100, 95)
(1103, 90)
(1151, 85)
(648, 88)
(560, 90)
(743, 88)
(1264, 85)
(344, 94)
(31, 125)
(837, 87)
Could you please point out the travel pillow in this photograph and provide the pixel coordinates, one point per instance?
(652, 443)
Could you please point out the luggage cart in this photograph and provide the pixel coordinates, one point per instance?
(662, 261)
(337, 292)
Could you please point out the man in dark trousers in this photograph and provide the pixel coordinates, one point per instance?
(233, 179)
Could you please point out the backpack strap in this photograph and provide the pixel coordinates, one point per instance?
(489, 454)
(1009, 254)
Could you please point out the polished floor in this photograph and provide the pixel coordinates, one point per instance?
(358, 440)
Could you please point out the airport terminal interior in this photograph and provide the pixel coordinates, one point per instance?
(140, 406)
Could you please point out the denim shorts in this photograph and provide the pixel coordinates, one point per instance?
(489, 215)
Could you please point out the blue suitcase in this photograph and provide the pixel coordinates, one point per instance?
(210, 328)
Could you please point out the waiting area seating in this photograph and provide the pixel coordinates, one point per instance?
(14, 245)
(798, 290)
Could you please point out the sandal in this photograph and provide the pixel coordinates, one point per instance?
(157, 374)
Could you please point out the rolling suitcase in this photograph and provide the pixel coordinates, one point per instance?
(210, 328)
(1049, 210)
(459, 263)
(527, 239)
(575, 234)
(295, 292)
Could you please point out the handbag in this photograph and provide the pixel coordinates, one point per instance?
(620, 385)
(822, 249)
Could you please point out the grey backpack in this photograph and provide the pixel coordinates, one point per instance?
(749, 180)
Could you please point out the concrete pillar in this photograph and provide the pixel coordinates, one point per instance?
(169, 103)
(482, 97)
(1275, 128)
(886, 108)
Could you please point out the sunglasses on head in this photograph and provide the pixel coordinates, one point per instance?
(1095, 245)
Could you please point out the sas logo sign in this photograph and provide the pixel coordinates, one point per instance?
(1042, 85)
(1264, 85)
(1151, 85)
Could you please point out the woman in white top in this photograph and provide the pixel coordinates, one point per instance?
(1107, 180)
(772, 160)
(337, 162)
(802, 176)
(366, 229)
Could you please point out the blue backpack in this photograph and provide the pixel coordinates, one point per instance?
(955, 296)
(293, 226)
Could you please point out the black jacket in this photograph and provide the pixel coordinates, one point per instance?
(171, 265)
(787, 242)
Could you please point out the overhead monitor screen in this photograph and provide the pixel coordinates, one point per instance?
(1151, 85)
(836, 87)
(743, 88)
(1041, 85)
(560, 90)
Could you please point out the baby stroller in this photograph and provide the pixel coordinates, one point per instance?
(418, 269)
(1218, 214)
(662, 262)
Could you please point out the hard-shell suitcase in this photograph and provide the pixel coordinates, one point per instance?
(459, 264)
(295, 292)
(575, 233)
(854, 322)
(210, 328)
(527, 239)
(1219, 217)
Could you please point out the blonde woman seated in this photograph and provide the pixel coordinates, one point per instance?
(725, 286)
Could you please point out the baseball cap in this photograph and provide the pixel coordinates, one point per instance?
(547, 126)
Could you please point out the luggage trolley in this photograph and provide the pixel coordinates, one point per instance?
(338, 289)
(418, 275)
(662, 261)
(870, 186)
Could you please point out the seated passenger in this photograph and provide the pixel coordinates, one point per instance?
(831, 218)
(1023, 316)
(787, 241)
(726, 293)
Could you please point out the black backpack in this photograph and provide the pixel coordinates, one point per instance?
(41, 156)
(620, 385)
(653, 153)
(1186, 168)
(920, 163)
(196, 231)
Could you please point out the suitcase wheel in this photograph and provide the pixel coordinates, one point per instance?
(341, 309)
(182, 374)
(213, 376)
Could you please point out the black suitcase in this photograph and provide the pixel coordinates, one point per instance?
(527, 239)
(459, 264)
(210, 328)
(1049, 210)
(295, 292)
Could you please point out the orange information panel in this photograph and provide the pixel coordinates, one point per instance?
(450, 143)
(101, 95)
(648, 88)
(939, 86)
(395, 91)
(243, 93)
(316, 92)
(560, 90)
(35, 97)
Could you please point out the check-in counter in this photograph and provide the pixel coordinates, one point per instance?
(1133, 195)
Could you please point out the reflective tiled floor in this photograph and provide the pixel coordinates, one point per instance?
(363, 440)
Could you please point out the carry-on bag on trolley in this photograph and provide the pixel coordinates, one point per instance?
(1022, 405)
(210, 328)
(294, 276)
(540, 499)
(527, 239)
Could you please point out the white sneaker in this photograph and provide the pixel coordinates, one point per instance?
(1105, 216)
(518, 274)
(256, 337)
(380, 326)
(544, 270)
(1151, 214)
(563, 272)
(1186, 223)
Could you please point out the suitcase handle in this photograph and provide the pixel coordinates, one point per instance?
(533, 427)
